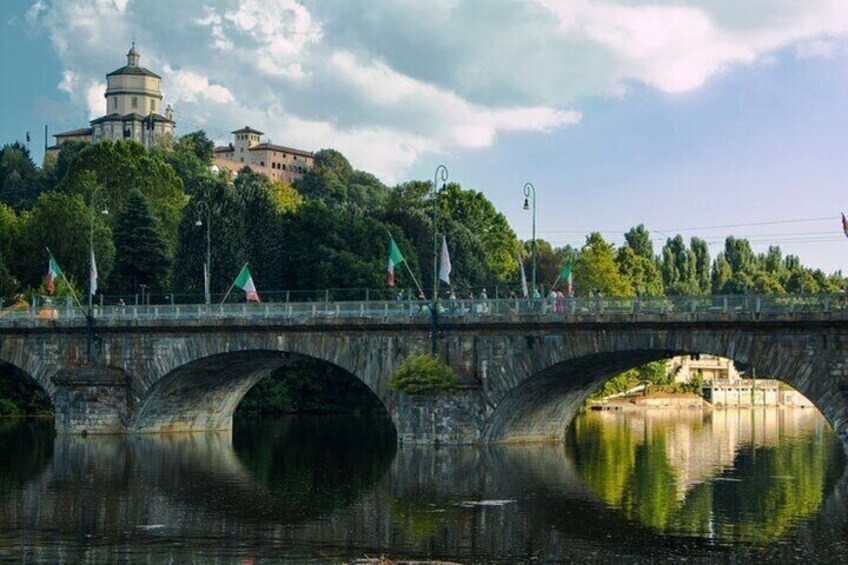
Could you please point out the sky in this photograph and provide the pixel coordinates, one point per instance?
(706, 118)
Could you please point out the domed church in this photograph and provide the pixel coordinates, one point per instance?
(133, 109)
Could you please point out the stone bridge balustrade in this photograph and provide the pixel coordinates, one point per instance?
(525, 368)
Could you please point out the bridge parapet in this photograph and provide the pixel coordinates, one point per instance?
(630, 310)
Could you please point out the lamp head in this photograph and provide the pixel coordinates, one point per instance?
(526, 203)
(105, 211)
(198, 222)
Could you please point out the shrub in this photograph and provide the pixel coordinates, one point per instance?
(422, 373)
(8, 408)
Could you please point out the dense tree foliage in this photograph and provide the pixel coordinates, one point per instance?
(20, 181)
(142, 256)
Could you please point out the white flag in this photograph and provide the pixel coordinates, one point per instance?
(444, 259)
(523, 279)
(92, 275)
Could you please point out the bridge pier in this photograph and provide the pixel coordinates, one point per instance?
(90, 400)
(453, 418)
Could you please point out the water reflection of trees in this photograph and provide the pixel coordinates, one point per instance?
(683, 483)
(30, 441)
(315, 464)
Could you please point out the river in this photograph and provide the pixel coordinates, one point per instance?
(657, 486)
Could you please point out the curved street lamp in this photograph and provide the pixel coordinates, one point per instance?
(97, 191)
(202, 206)
(530, 194)
(440, 174)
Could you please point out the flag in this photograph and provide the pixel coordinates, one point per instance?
(523, 280)
(92, 276)
(53, 271)
(565, 274)
(844, 225)
(245, 282)
(395, 258)
(444, 260)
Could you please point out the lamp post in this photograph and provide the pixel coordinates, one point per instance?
(441, 174)
(530, 194)
(201, 207)
(98, 190)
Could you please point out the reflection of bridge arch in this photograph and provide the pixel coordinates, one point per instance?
(203, 393)
(565, 369)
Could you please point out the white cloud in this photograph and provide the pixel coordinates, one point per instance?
(188, 86)
(823, 48)
(69, 82)
(391, 83)
(94, 99)
(678, 48)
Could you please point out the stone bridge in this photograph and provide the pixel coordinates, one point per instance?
(524, 372)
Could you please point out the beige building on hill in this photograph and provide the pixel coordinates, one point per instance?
(133, 109)
(277, 162)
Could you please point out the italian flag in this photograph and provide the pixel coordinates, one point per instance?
(245, 282)
(395, 258)
(53, 272)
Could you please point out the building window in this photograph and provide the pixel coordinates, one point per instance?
(152, 105)
(261, 163)
(134, 102)
(115, 102)
(284, 166)
(241, 150)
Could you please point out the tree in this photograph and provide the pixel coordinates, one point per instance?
(19, 177)
(198, 144)
(720, 275)
(640, 271)
(678, 268)
(478, 215)
(62, 222)
(56, 167)
(141, 251)
(9, 234)
(596, 269)
(286, 199)
(700, 254)
(639, 240)
(121, 166)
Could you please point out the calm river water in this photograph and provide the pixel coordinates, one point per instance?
(726, 486)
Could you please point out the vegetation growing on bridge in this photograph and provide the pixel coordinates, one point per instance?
(423, 373)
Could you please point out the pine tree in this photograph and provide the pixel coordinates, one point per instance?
(141, 250)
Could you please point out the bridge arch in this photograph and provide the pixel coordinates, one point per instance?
(203, 393)
(23, 361)
(549, 390)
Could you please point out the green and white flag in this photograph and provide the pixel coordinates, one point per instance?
(565, 274)
(395, 258)
(245, 282)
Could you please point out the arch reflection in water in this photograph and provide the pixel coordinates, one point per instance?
(730, 475)
(29, 445)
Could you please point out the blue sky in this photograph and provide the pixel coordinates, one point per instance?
(678, 114)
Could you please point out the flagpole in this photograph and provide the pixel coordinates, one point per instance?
(229, 290)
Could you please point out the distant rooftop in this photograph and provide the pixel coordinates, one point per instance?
(248, 129)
